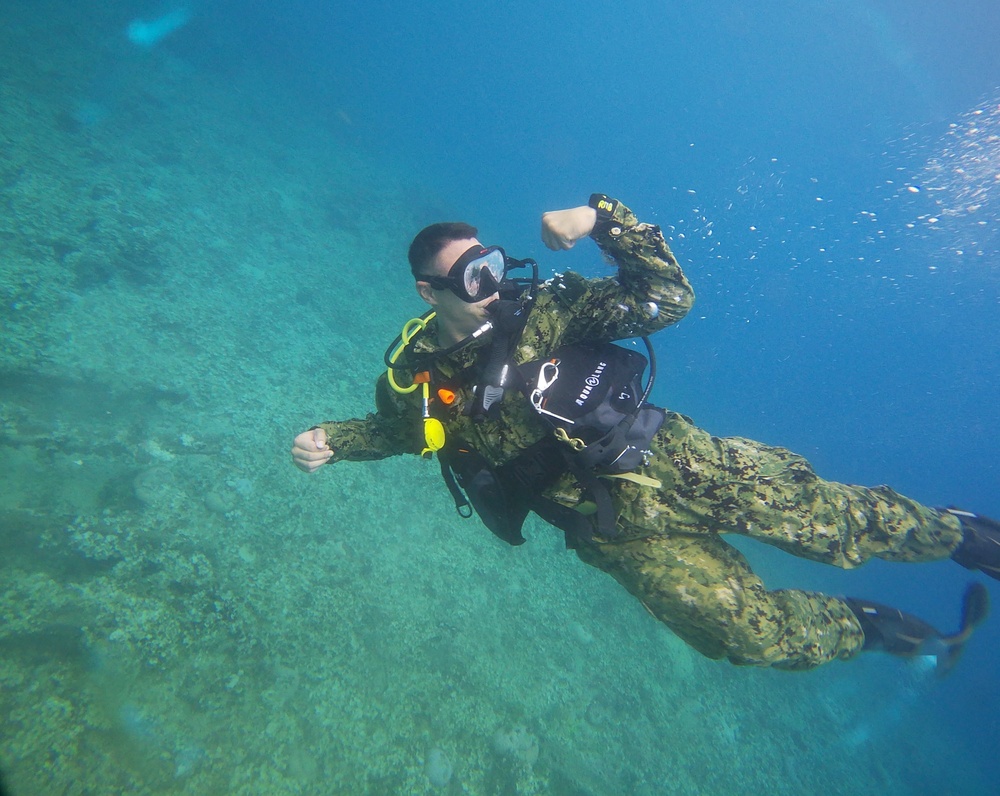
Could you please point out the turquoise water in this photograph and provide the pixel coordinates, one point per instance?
(204, 213)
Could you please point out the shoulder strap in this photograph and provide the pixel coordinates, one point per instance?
(508, 319)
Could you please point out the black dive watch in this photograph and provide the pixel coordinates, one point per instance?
(606, 209)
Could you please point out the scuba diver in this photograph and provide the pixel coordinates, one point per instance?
(529, 406)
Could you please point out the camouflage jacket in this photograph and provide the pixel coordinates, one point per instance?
(649, 293)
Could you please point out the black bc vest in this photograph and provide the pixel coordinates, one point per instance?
(591, 397)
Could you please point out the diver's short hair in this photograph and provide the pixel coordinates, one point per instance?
(430, 240)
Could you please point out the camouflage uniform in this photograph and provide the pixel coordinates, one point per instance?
(669, 551)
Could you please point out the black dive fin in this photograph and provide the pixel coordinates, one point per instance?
(975, 609)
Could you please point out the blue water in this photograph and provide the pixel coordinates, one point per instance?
(202, 252)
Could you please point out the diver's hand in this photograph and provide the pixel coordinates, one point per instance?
(310, 450)
(561, 229)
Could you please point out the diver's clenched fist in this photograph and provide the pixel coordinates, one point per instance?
(310, 450)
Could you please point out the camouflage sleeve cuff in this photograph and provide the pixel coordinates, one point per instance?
(331, 428)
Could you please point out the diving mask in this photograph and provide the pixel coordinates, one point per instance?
(476, 275)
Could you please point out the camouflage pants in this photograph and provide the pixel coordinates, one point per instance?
(671, 554)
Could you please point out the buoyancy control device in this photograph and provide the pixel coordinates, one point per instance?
(592, 399)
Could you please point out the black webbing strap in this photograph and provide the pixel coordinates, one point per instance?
(462, 504)
(509, 319)
(576, 526)
(606, 525)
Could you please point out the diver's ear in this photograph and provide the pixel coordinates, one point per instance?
(427, 293)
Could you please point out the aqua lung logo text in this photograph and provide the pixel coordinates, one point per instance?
(590, 383)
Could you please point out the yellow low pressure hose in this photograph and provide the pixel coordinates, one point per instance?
(433, 428)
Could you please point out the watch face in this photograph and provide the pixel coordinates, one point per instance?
(604, 206)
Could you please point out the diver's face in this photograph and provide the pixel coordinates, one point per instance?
(449, 307)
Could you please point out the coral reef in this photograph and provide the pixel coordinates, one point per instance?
(183, 612)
